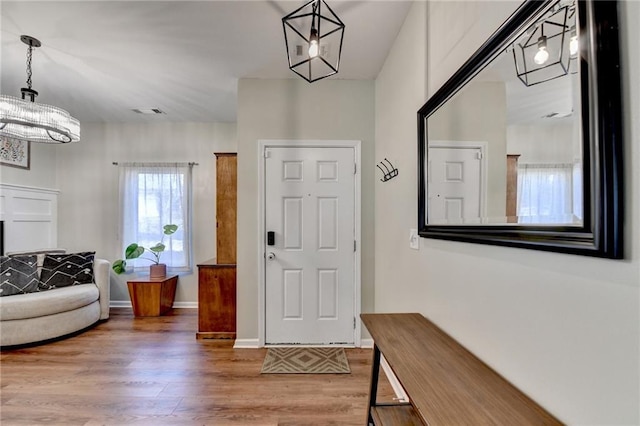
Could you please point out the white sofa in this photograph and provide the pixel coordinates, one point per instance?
(33, 317)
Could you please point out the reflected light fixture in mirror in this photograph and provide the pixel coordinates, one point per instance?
(542, 55)
(545, 50)
(573, 43)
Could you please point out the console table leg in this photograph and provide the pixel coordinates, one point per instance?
(373, 391)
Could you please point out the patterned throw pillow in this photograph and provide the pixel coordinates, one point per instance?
(18, 275)
(63, 270)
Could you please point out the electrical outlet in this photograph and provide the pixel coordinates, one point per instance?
(414, 239)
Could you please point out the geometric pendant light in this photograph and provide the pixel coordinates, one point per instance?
(313, 37)
(30, 121)
(549, 47)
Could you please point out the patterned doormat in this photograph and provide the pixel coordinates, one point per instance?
(305, 361)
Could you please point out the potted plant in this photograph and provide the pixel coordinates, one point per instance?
(134, 251)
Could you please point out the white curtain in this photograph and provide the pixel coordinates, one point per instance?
(545, 193)
(153, 195)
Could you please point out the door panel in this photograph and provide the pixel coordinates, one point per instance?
(292, 292)
(310, 279)
(327, 223)
(292, 210)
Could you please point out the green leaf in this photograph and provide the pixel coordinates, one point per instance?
(119, 266)
(158, 248)
(134, 251)
(170, 229)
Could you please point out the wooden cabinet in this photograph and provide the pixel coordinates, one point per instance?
(152, 297)
(216, 301)
(512, 188)
(217, 277)
(226, 202)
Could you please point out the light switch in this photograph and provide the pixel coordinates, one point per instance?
(414, 239)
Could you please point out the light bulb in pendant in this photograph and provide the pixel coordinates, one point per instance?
(313, 43)
(542, 55)
(573, 45)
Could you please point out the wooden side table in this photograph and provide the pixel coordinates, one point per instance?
(152, 297)
(216, 301)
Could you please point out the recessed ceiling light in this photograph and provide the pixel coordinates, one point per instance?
(148, 111)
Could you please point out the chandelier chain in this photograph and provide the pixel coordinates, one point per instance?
(314, 14)
(29, 73)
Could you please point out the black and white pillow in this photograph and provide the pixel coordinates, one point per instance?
(18, 275)
(64, 270)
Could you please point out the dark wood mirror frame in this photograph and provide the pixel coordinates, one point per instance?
(601, 233)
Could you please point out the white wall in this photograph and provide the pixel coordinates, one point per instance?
(550, 144)
(563, 328)
(42, 170)
(295, 109)
(88, 209)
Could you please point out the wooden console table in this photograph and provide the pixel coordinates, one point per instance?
(446, 384)
(152, 297)
(216, 301)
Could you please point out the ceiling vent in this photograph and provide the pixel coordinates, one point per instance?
(148, 111)
(558, 114)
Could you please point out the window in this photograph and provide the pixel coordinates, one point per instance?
(546, 194)
(154, 195)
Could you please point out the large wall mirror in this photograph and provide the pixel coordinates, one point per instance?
(522, 145)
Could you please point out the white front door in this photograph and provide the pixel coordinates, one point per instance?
(310, 268)
(454, 185)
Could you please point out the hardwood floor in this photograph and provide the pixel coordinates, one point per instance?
(153, 371)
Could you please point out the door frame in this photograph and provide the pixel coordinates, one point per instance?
(483, 147)
(265, 144)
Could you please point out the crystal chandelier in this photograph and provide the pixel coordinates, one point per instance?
(30, 121)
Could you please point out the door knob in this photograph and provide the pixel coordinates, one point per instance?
(271, 255)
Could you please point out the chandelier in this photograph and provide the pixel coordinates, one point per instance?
(313, 39)
(30, 121)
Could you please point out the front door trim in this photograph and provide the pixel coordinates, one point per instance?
(264, 145)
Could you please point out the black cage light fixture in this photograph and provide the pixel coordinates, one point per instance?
(547, 49)
(313, 37)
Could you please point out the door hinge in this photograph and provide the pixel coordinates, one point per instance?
(479, 155)
(354, 246)
(354, 323)
(355, 168)
(266, 153)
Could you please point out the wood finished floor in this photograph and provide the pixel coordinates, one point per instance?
(153, 371)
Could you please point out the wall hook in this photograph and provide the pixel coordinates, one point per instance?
(388, 172)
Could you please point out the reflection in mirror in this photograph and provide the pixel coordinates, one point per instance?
(522, 146)
(507, 147)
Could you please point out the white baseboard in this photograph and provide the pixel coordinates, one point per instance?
(127, 304)
(254, 343)
(246, 344)
(185, 305)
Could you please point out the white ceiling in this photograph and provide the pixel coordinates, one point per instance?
(100, 59)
